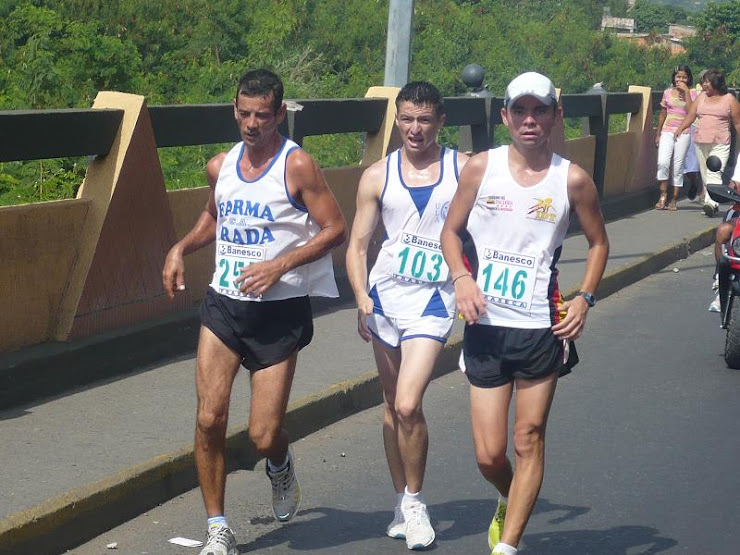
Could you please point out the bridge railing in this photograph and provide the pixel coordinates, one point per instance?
(79, 267)
(40, 134)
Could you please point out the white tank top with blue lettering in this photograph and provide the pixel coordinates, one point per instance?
(410, 278)
(517, 235)
(258, 220)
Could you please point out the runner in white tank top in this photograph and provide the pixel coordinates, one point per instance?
(408, 297)
(513, 205)
(275, 220)
(410, 278)
(518, 233)
(259, 220)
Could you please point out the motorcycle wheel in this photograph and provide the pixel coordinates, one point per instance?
(732, 342)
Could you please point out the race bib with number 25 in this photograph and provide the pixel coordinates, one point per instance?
(230, 260)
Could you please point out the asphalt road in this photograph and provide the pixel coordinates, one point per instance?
(643, 453)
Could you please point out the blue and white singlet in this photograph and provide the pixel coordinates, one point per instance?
(258, 220)
(410, 278)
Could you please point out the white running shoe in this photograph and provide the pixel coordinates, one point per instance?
(419, 531)
(715, 306)
(397, 528)
(710, 208)
(220, 540)
(286, 491)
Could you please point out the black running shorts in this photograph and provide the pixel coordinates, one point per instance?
(263, 333)
(496, 355)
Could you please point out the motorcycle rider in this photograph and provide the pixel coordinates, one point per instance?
(724, 235)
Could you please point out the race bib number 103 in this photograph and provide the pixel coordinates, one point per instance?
(419, 260)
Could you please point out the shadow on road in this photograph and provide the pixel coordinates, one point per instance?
(612, 541)
(323, 528)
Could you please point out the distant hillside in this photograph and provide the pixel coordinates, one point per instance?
(690, 5)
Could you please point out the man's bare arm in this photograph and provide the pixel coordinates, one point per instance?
(584, 201)
(363, 228)
(203, 233)
(468, 297)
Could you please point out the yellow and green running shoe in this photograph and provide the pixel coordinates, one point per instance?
(497, 525)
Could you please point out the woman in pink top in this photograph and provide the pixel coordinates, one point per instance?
(675, 105)
(715, 109)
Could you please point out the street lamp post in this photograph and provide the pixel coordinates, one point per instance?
(398, 43)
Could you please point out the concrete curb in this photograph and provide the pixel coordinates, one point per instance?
(83, 513)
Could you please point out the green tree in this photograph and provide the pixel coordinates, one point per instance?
(655, 17)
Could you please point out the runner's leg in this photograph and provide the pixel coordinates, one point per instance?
(533, 402)
(216, 367)
(269, 401)
(489, 415)
(388, 361)
(418, 356)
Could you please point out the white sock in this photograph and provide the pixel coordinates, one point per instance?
(399, 499)
(504, 549)
(409, 497)
(220, 520)
(502, 499)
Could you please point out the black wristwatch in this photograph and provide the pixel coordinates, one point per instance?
(588, 297)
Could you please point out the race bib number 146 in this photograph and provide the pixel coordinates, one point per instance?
(507, 278)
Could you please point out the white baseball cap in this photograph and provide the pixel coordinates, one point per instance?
(530, 84)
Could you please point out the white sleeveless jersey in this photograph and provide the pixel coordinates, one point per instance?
(258, 220)
(517, 233)
(410, 278)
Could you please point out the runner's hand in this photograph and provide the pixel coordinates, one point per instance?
(257, 278)
(173, 273)
(571, 327)
(364, 310)
(469, 299)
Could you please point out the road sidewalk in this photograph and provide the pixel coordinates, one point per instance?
(111, 450)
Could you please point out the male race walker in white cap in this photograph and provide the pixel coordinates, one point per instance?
(406, 305)
(515, 203)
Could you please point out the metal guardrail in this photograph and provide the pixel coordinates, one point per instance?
(193, 124)
(197, 124)
(32, 135)
(472, 111)
(39, 134)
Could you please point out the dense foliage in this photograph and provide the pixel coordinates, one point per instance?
(59, 53)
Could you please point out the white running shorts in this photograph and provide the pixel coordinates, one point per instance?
(391, 331)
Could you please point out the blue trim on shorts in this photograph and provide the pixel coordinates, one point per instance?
(440, 339)
(377, 337)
